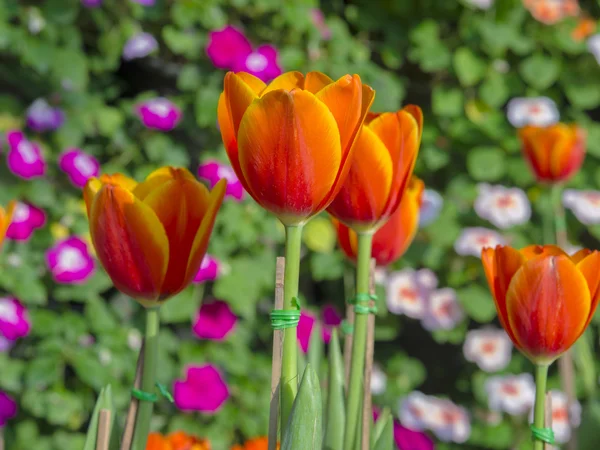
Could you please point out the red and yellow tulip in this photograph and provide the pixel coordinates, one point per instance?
(384, 157)
(290, 142)
(554, 153)
(176, 441)
(151, 237)
(5, 219)
(259, 443)
(395, 236)
(545, 298)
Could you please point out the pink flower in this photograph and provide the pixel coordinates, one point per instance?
(489, 348)
(226, 46)
(139, 46)
(43, 117)
(331, 319)
(262, 63)
(5, 344)
(8, 408)
(91, 3)
(26, 219)
(144, 2)
(159, 114)
(79, 166)
(70, 261)
(215, 321)
(14, 319)
(448, 421)
(213, 171)
(318, 19)
(408, 292)
(513, 394)
(209, 270)
(474, 239)
(203, 390)
(24, 158)
(443, 310)
(305, 327)
(407, 439)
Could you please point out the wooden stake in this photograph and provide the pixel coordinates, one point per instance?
(133, 404)
(103, 438)
(348, 344)
(566, 370)
(548, 417)
(277, 356)
(367, 413)
(1, 438)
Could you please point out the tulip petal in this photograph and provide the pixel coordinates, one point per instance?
(590, 269)
(130, 242)
(286, 81)
(537, 148)
(569, 151)
(580, 255)
(5, 219)
(488, 259)
(533, 251)
(417, 113)
(548, 304)
(94, 184)
(346, 239)
(315, 81)
(238, 96)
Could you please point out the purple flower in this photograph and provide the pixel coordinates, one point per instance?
(213, 171)
(209, 270)
(203, 390)
(43, 117)
(262, 63)
(5, 344)
(215, 321)
(139, 46)
(24, 158)
(14, 320)
(407, 439)
(79, 166)
(159, 114)
(8, 408)
(305, 327)
(26, 219)
(70, 261)
(431, 206)
(91, 3)
(318, 20)
(331, 319)
(144, 2)
(226, 46)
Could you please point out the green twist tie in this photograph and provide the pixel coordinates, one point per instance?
(347, 327)
(286, 318)
(165, 392)
(542, 434)
(151, 397)
(359, 304)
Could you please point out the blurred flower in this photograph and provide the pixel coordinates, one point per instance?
(378, 380)
(159, 114)
(26, 219)
(139, 46)
(259, 443)
(331, 319)
(443, 311)
(564, 418)
(318, 20)
(513, 394)
(8, 408)
(593, 45)
(550, 12)
(70, 262)
(105, 356)
(24, 158)
(536, 111)
(209, 270)
(502, 206)
(405, 295)
(431, 206)
(489, 348)
(263, 63)
(43, 117)
(14, 319)
(5, 344)
(526, 284)
(203, 390)
(585, 27)
(291, 147)
(215, 321)
(144, 2)
(226, 46)
(91, 3)
(151, 237)
(481, 4)
(134, 339)
(584, 204)
(392, 240)
(213, 171)
(448, 421)
(407, 439)
(320, 235)
(35, 20)
(554, 153)
(413, 411)
(59, 231)
(79, 166)
(305, 327)
(501, 65)
(6, 216)
(177, 440)
(474, 239)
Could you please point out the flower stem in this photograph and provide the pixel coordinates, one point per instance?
(359, 344)
(289, 363)
(144, 415)
(560, 223)
(541, 375)
(548, 218)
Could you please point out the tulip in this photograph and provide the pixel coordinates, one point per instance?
(5, 219)
(554, 153)
(151, 237)
(290, 142)
(395, 236)
(384, 157)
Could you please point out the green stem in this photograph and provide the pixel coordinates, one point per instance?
(558, 212)
(548, 219)
(359, 344)
(541, 375)
(144, 415)
(289, 363)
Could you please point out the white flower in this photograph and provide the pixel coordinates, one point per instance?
(563, 417)
(426, 279)
(443, 310)
(473, 240)
(593, 45)
(538, 111)
(502, 206)
(414, 410)
(404, 295)
(448, 421)
(134, 339)
(481, 4)
(584, 204)
(431, 206)
(378, 380)
(105, 356)
(513, 394)
(489, 348)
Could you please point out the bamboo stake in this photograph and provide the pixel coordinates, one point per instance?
(1, 438)
(277, 357)
(367, 412)
(548, 417)
(103, 438)
(133, 405)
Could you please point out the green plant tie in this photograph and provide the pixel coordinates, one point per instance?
(347, 327)
(542, 434)
(359, 304)
(286, 318)
(150, 396)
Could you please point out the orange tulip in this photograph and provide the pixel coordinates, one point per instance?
(176, 441)
(392, 239)
(384, 157)
(585, 28)
(290, 143)
(545, 298)
(260, 443)
(5, 219)
(555, 153)
(151, 237)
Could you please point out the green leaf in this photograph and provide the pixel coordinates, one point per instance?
(494, 90)
(447, 102)
(486, 163)
(104, 401)
(327, 266)
(385, 441)
(588, 433)
(478, 303)
(468, 67)
(336, 406)
(182, 307)
(315, 347)
(540, 71)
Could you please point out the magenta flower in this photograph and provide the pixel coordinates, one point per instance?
(70, 261)
(215, 321)
(209, 270)
(43, 117)
(14, 319)
(159, 114)
(139, 46)
(305, 327)
(79, 166)
(24, 158)
(144, 2)
(226, 46)
(213, 171)
(262, 63)
(8, 408)
(26, 219)
(407, 439)
(318, 20)
(331, 319)
(5, 344)
(203, 390)
(91, 3)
